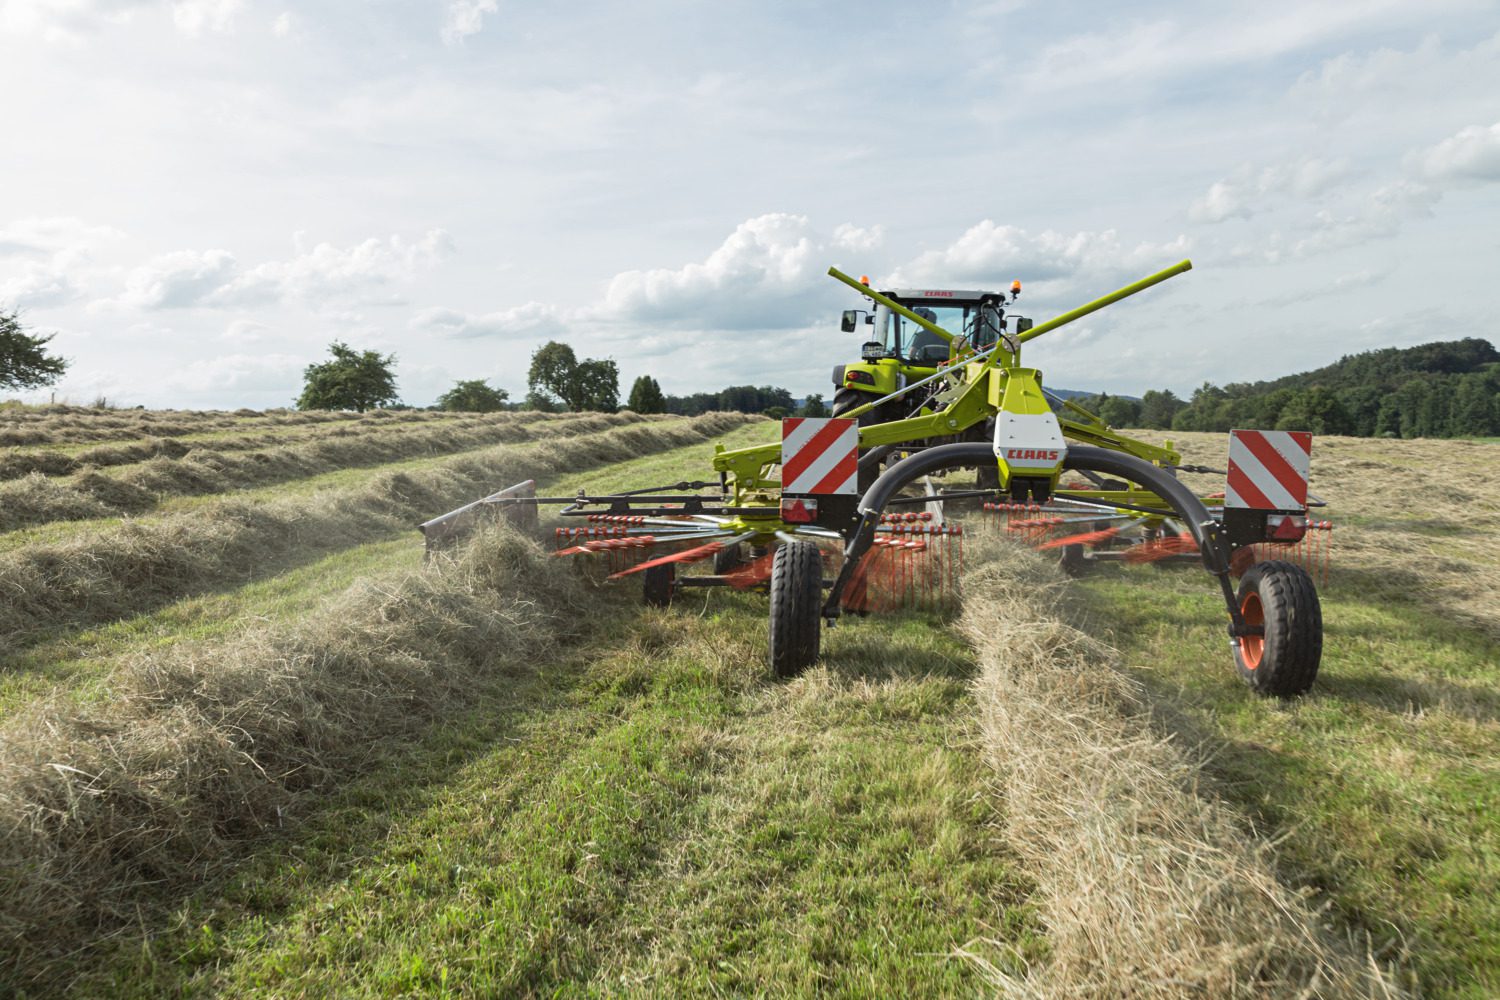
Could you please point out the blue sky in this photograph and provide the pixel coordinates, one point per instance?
(197, 196)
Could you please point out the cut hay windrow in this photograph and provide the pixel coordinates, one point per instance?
(116, 807)
(113, 572)
(1149, 885)
(66, 460)
(26, 426)
(136, 488)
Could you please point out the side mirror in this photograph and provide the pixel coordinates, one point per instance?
(851, 320)
(1022, 324)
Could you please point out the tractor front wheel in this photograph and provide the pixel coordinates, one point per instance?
(796, 607)
(1280, 597)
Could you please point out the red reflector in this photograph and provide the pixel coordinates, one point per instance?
(799, 511)
(1290, 529)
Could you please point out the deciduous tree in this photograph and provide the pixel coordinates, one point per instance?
(24, 362)
(350, 380)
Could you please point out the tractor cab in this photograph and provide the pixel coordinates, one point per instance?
(898, 350)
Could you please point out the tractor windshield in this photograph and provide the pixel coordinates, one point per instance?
(907, 340)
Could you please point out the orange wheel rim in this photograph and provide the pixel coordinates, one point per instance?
(1252, 647)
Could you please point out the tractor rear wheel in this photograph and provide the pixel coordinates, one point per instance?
(1283, 662)
(657, 583)
(845, 400)
(796, 607)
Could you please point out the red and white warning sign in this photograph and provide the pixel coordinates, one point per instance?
(1268, 470)
(819, 455)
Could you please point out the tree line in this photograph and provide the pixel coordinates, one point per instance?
(1445, 389)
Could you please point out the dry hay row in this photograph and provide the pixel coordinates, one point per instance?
(1148, 884)
(111, 812)
(77, 425)
(18, 462)
(130, 568)
(37, 499)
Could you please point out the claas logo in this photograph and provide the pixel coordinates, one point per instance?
(1034, 454)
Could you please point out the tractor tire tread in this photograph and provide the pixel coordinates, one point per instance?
(1293, 641)
(796, 607)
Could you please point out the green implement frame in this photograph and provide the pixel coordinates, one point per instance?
(977, 388)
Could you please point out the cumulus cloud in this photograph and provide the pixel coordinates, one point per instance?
(73, 21)
(180, 279)
(857, 240)
(36, 285)
(1472, 155)
(237, 375)
(314, 275)
(465, 18)
(1249, 191)
(767, 264)
(195, 17)
(992, 254)
(326, 271)
(531, 321)
(49, 259)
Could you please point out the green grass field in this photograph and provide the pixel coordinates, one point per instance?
(333, 771)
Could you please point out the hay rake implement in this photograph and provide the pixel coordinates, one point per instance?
(788, 518)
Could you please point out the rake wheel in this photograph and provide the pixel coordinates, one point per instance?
(1072, 561)
(796, 607)
(727, 558)
(657, 584)
(1281, 597)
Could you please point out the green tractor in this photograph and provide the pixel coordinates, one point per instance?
(915, 343)
(899, 350)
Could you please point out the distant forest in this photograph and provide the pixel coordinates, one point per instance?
(1446, 389)
(744, 398)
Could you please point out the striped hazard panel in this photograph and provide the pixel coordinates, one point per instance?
(1268, 470)
(819, 455)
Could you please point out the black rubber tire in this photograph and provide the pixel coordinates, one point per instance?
(845, 400)
(796, 607)
(1072, 561)
(657, 585)
(726, 560)
(1284, 662)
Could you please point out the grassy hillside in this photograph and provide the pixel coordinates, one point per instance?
(250, 745)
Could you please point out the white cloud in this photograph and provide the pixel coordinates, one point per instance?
(194, 17)
(233, 375)
(533, 320)
(36, 285)
(1471, 155)
(326, 271)
(178, 280)
(749, 281)
(465, 18)
(67, 21)
(857, 240)
(73, 21)
(1397, 86)
(1247, 192)
(1221, 37)
(49, 235)
(991, 255)
(284, 26)
(49, 257)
